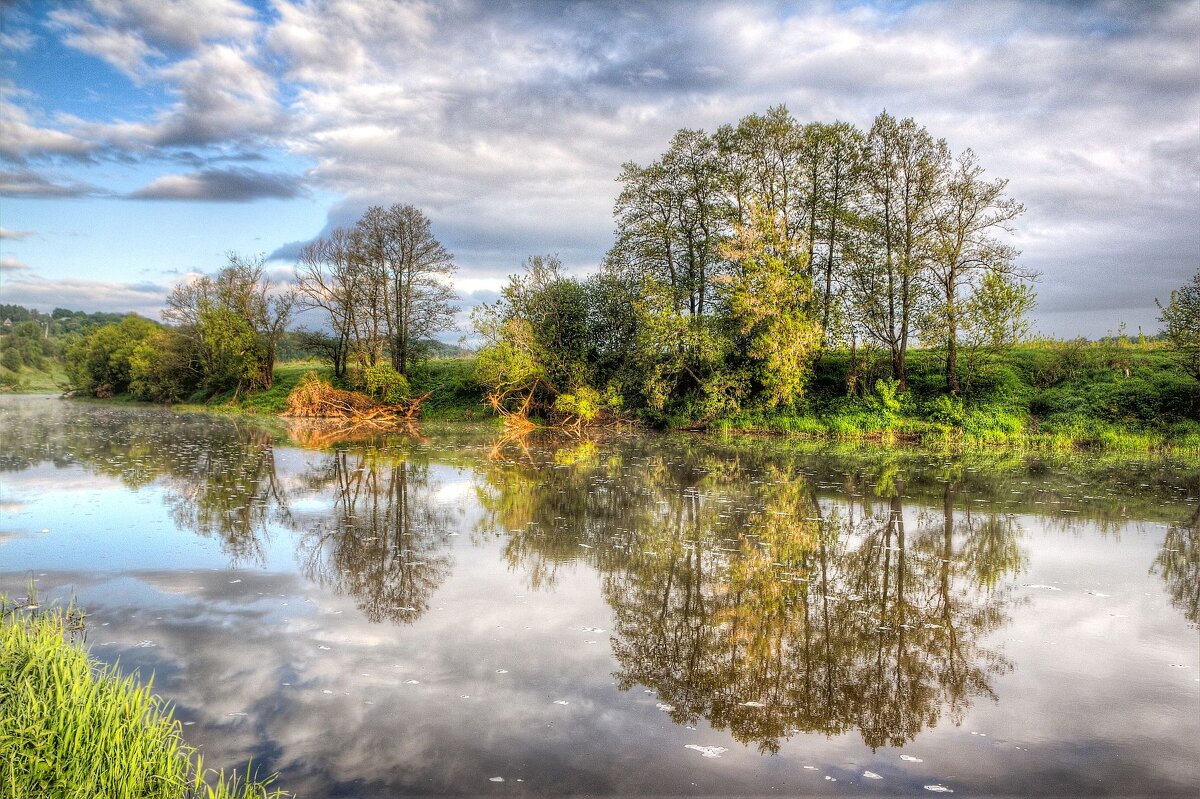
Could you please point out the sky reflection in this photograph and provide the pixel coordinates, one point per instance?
(424, 615)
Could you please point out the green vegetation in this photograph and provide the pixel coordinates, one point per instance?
(771, 276)
(72, 729)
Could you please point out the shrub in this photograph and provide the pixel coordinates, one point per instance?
(385, 384)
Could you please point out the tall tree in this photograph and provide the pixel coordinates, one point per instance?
(330, 277)
(408, 269)
(968, 211)
(894, 247)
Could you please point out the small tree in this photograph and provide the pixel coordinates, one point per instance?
(1181, 323)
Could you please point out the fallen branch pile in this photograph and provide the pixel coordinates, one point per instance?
(314, 398)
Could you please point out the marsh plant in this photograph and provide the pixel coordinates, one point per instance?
(71, 728)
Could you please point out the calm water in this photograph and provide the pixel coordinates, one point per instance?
(450, 613)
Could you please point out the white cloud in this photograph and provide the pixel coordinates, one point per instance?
(11, 264)
(30, 289)
(508, 124)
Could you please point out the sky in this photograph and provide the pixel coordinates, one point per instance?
(141, 141)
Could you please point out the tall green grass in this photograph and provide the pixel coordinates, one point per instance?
(73, 729)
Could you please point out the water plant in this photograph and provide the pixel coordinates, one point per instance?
(71, 728)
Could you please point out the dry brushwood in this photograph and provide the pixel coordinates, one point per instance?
(314, 398)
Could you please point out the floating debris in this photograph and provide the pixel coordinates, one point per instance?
(412, 682)
(141, 644)
(911, 759)
(1043, 587)
(561, 702)
(707, 751)
(495, 779)
(322, 646)
(663, 706)
(871, 775)
(939, 789)
(752, 703)
(502, 671)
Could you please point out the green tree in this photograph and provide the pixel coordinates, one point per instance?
(894, 243)
(100, 363)
(234, 321)
(767, 295)
(1181, 323)
(969, 265)
(537, 342)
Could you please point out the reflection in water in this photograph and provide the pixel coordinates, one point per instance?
(384, 541)
(762, 591)
(1179, 565)
(742, 598)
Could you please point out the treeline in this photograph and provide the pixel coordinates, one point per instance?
(742, 261)
(741, 256)
(30, 339)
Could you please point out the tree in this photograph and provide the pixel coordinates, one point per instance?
(1181, 323)
(330, 276)
(537, 342)
(968, 209)
(100, 363)
(406, 272)
(234, 321)
(893, 248)
(768, 296)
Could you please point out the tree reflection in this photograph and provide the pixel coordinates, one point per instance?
(742, 598)
(1178, 563)
(384, 540)
(229, 489)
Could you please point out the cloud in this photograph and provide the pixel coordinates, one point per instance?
(28, 184)
(508, 123)
(10, 264)
(24, 139)
(14, 235)
(32, 290)
(131, 34)
(17, 40)
(222, 185)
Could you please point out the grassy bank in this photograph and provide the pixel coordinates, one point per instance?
(1057, 395)
(27, 380)
(70, 727)
(1064, 396)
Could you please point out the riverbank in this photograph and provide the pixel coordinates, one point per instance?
(1057, 396)
(70, 727)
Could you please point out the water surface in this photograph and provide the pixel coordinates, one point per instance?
(450, 612)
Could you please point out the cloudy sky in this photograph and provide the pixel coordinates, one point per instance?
(142, 140)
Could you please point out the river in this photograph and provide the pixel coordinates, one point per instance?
(446, 611)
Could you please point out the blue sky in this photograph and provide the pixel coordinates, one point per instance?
(143, 140)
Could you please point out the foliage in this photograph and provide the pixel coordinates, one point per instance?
(767, 296)
(72, 728)
(1181, 324)
(100, 364)
(234, 322)
(385, 384)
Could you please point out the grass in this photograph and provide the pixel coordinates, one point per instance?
(27, 380)
(1056, 395)
(71, 728)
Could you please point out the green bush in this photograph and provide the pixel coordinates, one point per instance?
(385, 384)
